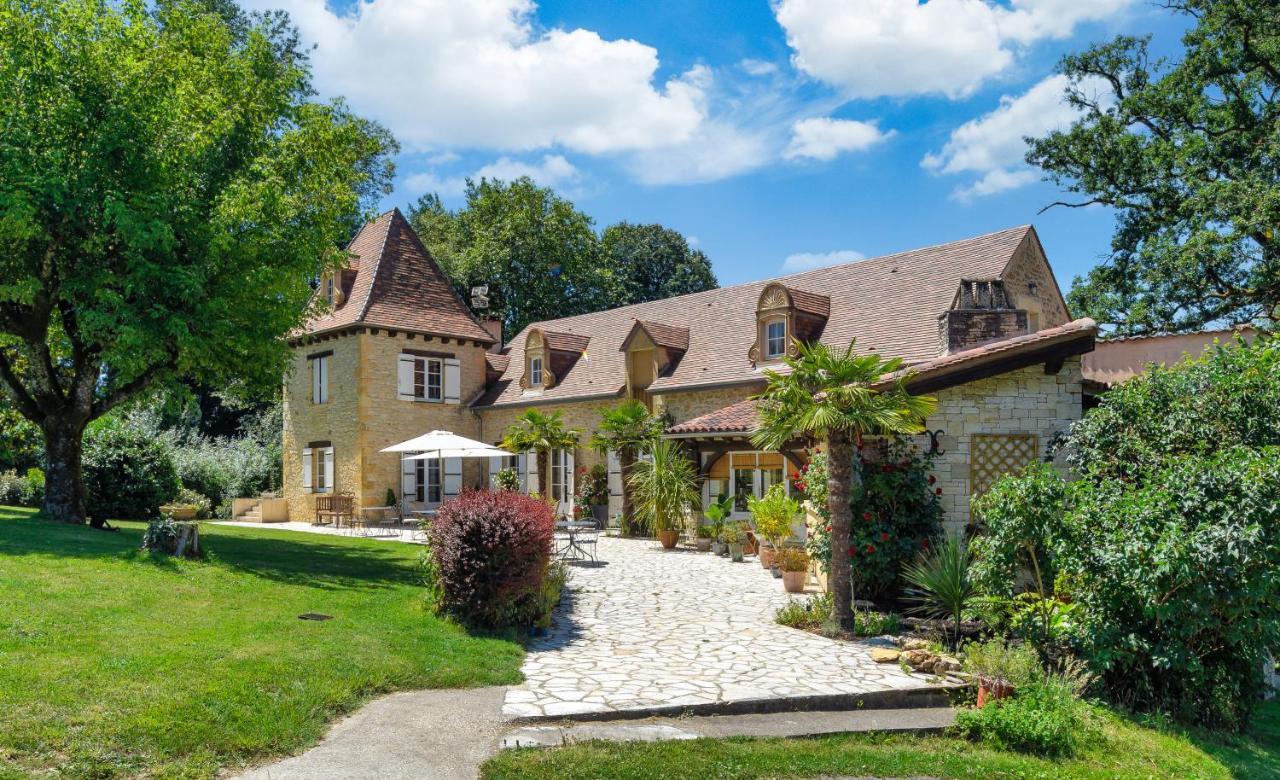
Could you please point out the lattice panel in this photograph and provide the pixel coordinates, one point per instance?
(992, 455)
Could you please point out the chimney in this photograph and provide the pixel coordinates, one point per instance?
(494, 326)
(983, 314)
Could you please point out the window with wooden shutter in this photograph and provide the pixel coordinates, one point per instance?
(306, 470)
(452, 381)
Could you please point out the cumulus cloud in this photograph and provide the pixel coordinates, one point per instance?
(479, 74)
(992, 146)
(805, 261)
(758, 67)
(553, 170)
(874, 48)
(822, 138)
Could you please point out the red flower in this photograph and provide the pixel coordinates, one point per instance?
(932, 479)
(866, 515)
(828, 529)
(871, 548)
(884, 537)
(925, 544)
(853, 551)
(939, 491)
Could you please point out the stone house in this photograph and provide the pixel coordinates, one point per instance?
(981, 322)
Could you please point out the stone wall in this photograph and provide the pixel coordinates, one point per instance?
(583, 416)
(386, 419)
(686, 405)
(1027, 269)
(1026, 401)
(335, 421)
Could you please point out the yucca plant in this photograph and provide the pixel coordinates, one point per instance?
(939, 582)
(664, 487)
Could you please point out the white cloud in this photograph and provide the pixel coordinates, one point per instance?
(552, 170)
(758, 67)
(822, 138)
(478, 74)
(992, 145)
(873, 48)
(805, 261)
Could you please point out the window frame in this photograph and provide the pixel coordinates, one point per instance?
(428, 480)
(769, 353)
(320, 379)
(536, 375)
(424, 369)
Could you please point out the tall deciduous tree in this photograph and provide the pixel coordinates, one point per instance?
(539, 255)
(167, 187)
(627, 429)
(1188, 153)
(837, 396)
(651, 262)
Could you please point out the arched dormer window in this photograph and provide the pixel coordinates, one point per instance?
(784, 315)
(535, 361)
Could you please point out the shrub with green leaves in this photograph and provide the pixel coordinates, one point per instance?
(1043, 718)
(128, 474)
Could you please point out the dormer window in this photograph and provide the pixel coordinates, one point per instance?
(328, 289)
(785, 315)
(535, 372)
(775, 342)
(548, 357)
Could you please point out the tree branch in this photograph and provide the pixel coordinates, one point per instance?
(26, 405)
(136, 385)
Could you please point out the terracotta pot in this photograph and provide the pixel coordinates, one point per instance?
(668, 538)
(767, 556)
(751, 545)
(704, 545)
(735, 553)
(990, 690)
(793, 581)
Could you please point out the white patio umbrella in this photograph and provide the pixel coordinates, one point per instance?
(438, 445)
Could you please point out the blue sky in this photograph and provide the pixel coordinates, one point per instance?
(813, 130)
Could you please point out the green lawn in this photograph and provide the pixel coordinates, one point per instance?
(1126, 750)
(114, 663)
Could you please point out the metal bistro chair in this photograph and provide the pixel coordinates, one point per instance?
(586, 539)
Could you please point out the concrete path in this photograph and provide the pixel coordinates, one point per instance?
(424, 735)
(655, 631)
(930, 720)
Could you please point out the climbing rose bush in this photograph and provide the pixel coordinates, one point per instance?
(489, 553)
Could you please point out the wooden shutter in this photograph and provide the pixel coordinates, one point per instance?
(408, 478)
(615, 475)
(568, 482)
(452, 381)
(306, 470)
(495, 465)
(531, 475)
(404, 376)
(452, 477)
(328, 470)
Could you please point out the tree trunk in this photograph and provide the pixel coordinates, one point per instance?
(544, 474)
(626, 459)
(839, 487)
(63, 487)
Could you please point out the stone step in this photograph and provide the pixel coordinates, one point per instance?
(914, 720)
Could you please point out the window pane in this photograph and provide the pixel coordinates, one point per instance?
(776, 338)
(435, 382)
(420, 474)
(743, 486)
(419, 378)
(433, 481)
(535, 372)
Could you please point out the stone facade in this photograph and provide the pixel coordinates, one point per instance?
(1027, 401)
(364, 413)
(1030, 285)
(686, 405)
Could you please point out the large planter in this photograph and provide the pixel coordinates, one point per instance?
(992, 690)
(735, 553)
(751, 545)
(793, 581)
(669, 539)
(600, 513)
(703, 545)
(767, 556)
(181, 511)
(719, 548)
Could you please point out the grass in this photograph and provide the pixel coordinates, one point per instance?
(1126, 749)
(117, 663)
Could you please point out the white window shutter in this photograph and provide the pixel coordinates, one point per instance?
(404, 376)
(306, 470)
(495, 465)
(452, 477)
(531, 475)
(452, 381)
(408, 478)
(328, 470)
(615, 475)
(569, 479)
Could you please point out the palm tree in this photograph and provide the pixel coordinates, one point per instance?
(841, 397)
(627, 429)
(665, 485)
(541, 433)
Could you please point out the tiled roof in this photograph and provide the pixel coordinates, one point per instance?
(668, 336)
(741, 416)
(565, 342)
(811, 302)
(497, 361)
(398, 285)
(890, 304)
(734, 418)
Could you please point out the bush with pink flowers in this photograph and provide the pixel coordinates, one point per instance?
(489, 554)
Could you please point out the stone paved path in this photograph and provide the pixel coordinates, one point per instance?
(654, 628)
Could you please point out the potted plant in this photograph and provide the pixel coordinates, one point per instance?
(732, 538)
(703, 540)
(1000, 668)
(773, 514)
(665, 488)
(717, 514)
(593, 486)
(795, 569)
(750, 545)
